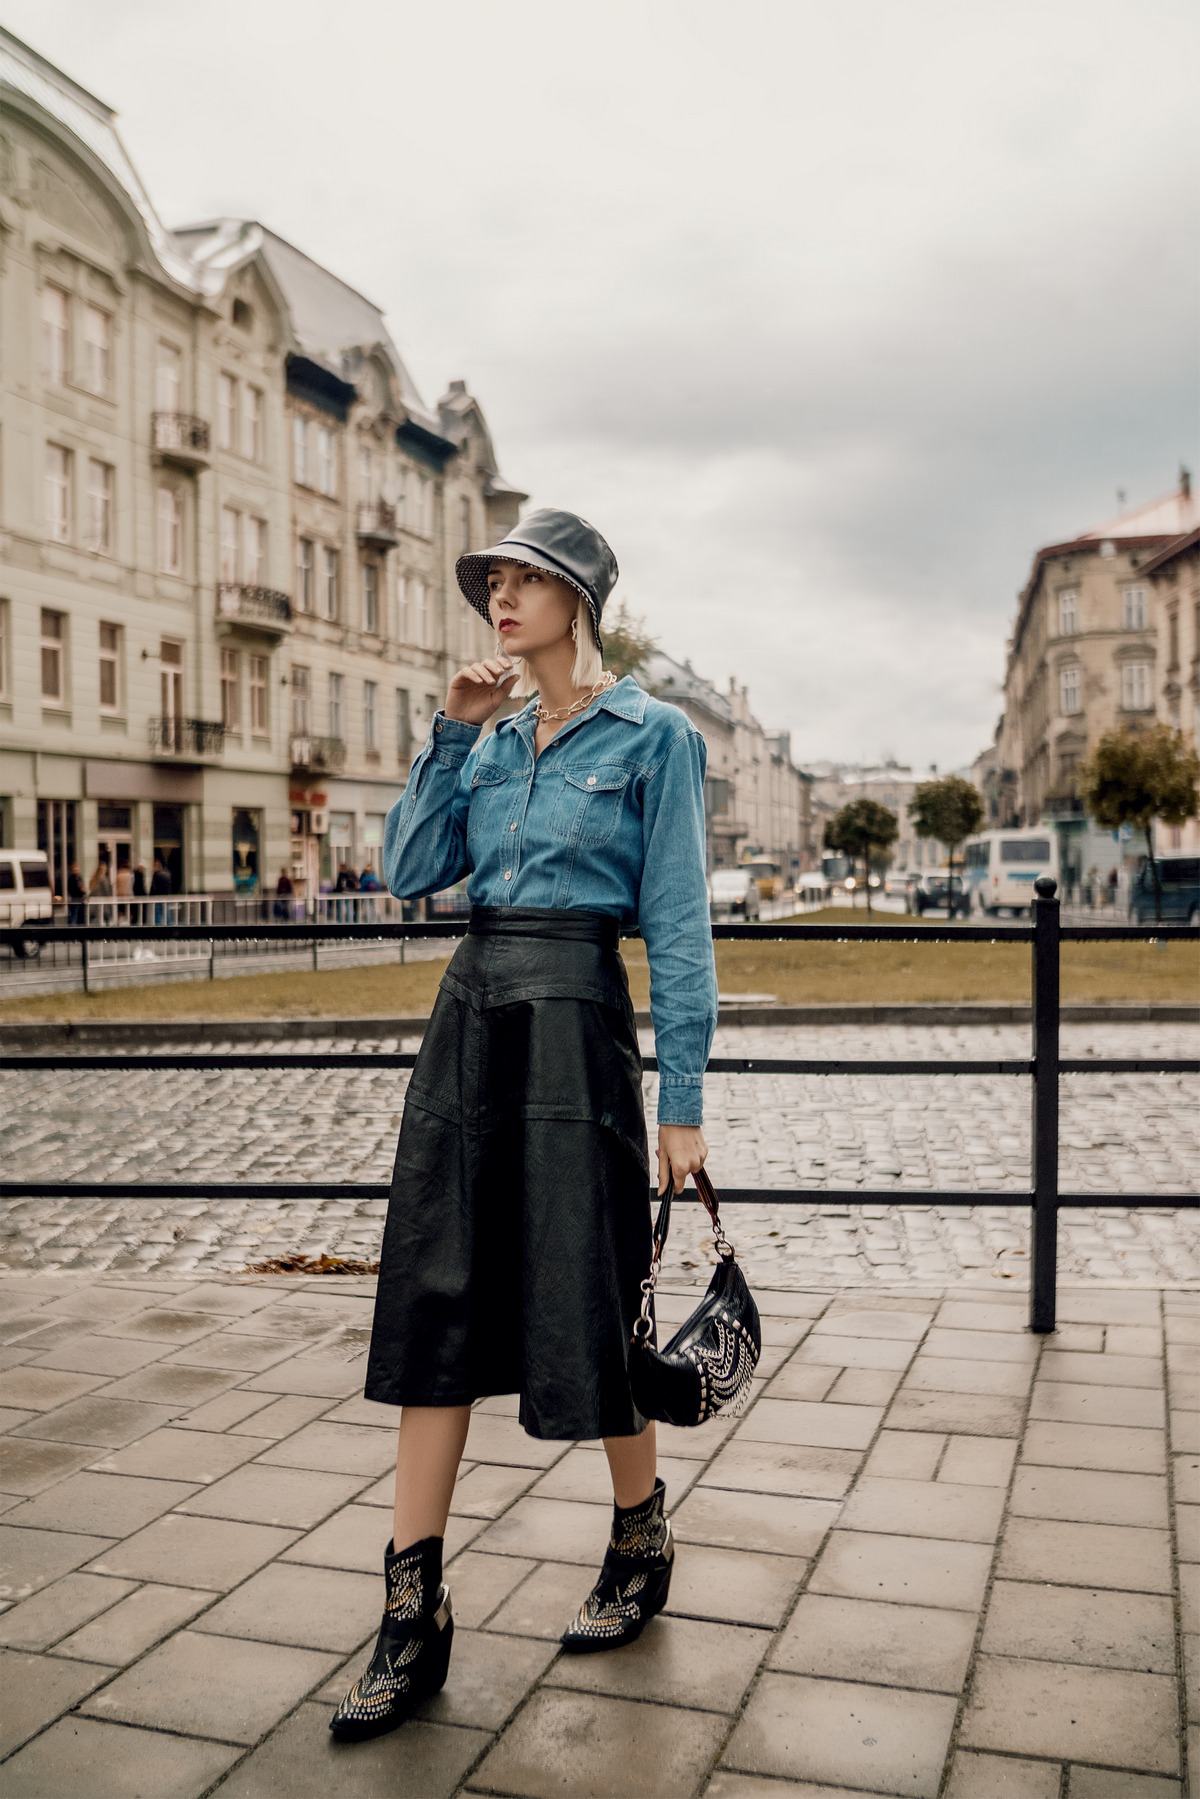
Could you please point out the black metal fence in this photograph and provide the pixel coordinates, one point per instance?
(1044, 1066)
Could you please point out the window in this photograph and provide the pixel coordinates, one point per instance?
(231, 524)
(1135, 687)
(110, 667)
(464, 526)
(52, 655)
(422, 611)
(370, 695)
(58, 493)
(226, 410)
(242, 315)
(1066, 613)
(1135, 608)
(169, 378)
(403, 624)
(366, 473)
(252, 423)
(301, 700)
(100, 506)
(421, 522)
(258, 695)
(1025, 849)
(231, 697)
(1068, 682)
(403, 724)
(1172, 640)
(330, 583)
(5, 652)
(401, 493)
(54, 334)
(300, 450)
(170, 681)
(337, 720)
(370, 577)
(256, 552)
(169, 513)
(306, 574)
(325, 468)
(97, 340)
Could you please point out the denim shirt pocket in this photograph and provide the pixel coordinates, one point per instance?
(491, 791)
(588, 806)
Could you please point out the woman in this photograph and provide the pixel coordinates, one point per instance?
(518, 1231)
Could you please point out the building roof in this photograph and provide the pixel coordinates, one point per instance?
(676, 682)
(331, 321)
(1181, 547)
(93, 125)
(1169, 516)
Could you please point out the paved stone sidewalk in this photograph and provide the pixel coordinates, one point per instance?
(935, 1557)
(1127, 1132)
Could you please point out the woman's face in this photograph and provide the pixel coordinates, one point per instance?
(530, 609)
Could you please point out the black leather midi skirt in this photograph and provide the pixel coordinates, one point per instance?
(518, 1228)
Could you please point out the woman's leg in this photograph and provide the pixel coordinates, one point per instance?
(428, 1452)
(632, 1462)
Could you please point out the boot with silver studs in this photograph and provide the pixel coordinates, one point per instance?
(412, 1653)
(634, 1580)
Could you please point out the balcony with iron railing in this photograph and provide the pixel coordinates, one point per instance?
(317, 755)
(192, 739)
(377, 524)
(181, 438)
(259, 608)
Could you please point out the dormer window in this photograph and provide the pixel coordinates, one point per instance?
(242, 315)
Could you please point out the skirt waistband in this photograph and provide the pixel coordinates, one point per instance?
(544, 921)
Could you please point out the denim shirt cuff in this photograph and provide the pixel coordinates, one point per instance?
(451, 741)
(681, 1099)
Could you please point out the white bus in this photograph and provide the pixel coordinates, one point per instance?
(1000, 867)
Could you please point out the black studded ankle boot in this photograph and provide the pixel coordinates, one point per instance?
(634, 1581)
(412, 1652)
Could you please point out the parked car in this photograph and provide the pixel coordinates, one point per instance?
(1179, 875)
(733, 893)
(25, 893)
(934, 890)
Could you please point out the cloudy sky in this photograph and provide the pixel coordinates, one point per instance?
(826, 314)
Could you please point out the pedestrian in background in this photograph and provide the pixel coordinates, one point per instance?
(160, 884)
(518, 1229)
(76, 896)
(283, 895)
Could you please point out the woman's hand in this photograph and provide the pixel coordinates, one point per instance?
(681, 1150)
(476, 692)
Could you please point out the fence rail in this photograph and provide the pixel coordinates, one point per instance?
(1044, 1066)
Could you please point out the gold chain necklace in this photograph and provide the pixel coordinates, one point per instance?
(607, 679)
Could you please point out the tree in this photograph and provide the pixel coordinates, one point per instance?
(949, 810)
(1134, 777)
(862, 828)
(628, 646)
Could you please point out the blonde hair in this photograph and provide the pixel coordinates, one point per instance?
(589, 661)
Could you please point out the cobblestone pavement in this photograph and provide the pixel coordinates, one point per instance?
(935, 1555)
(1119, 1133)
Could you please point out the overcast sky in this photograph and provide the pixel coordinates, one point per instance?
(826, 312)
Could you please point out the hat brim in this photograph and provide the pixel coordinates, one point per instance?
(471, 572)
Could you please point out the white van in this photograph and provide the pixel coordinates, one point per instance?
(733, 893)
(25, 890)
(1000, 867)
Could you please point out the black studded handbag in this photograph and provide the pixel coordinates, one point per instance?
(708, 1365)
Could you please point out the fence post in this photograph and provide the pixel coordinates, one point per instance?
(1044, 1135)
(83, 944)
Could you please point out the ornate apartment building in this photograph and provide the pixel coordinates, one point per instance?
(757, 802)
(1099, 642)
(228, 523)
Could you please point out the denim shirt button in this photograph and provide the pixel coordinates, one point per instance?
(512, 827)
(508, 874)
(591, 780)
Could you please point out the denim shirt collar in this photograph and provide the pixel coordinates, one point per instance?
(625, 700)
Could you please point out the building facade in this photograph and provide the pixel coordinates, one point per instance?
(890, 784)
(1089, 653)
(229, 527)
(1174, 577)
(757, 802)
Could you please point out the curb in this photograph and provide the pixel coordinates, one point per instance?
(118, 1032)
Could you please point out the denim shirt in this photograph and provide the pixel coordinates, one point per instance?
(609, 818)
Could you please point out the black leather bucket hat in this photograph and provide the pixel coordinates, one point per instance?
(562, 544)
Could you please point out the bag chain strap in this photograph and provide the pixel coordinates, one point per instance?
(643, 1324)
